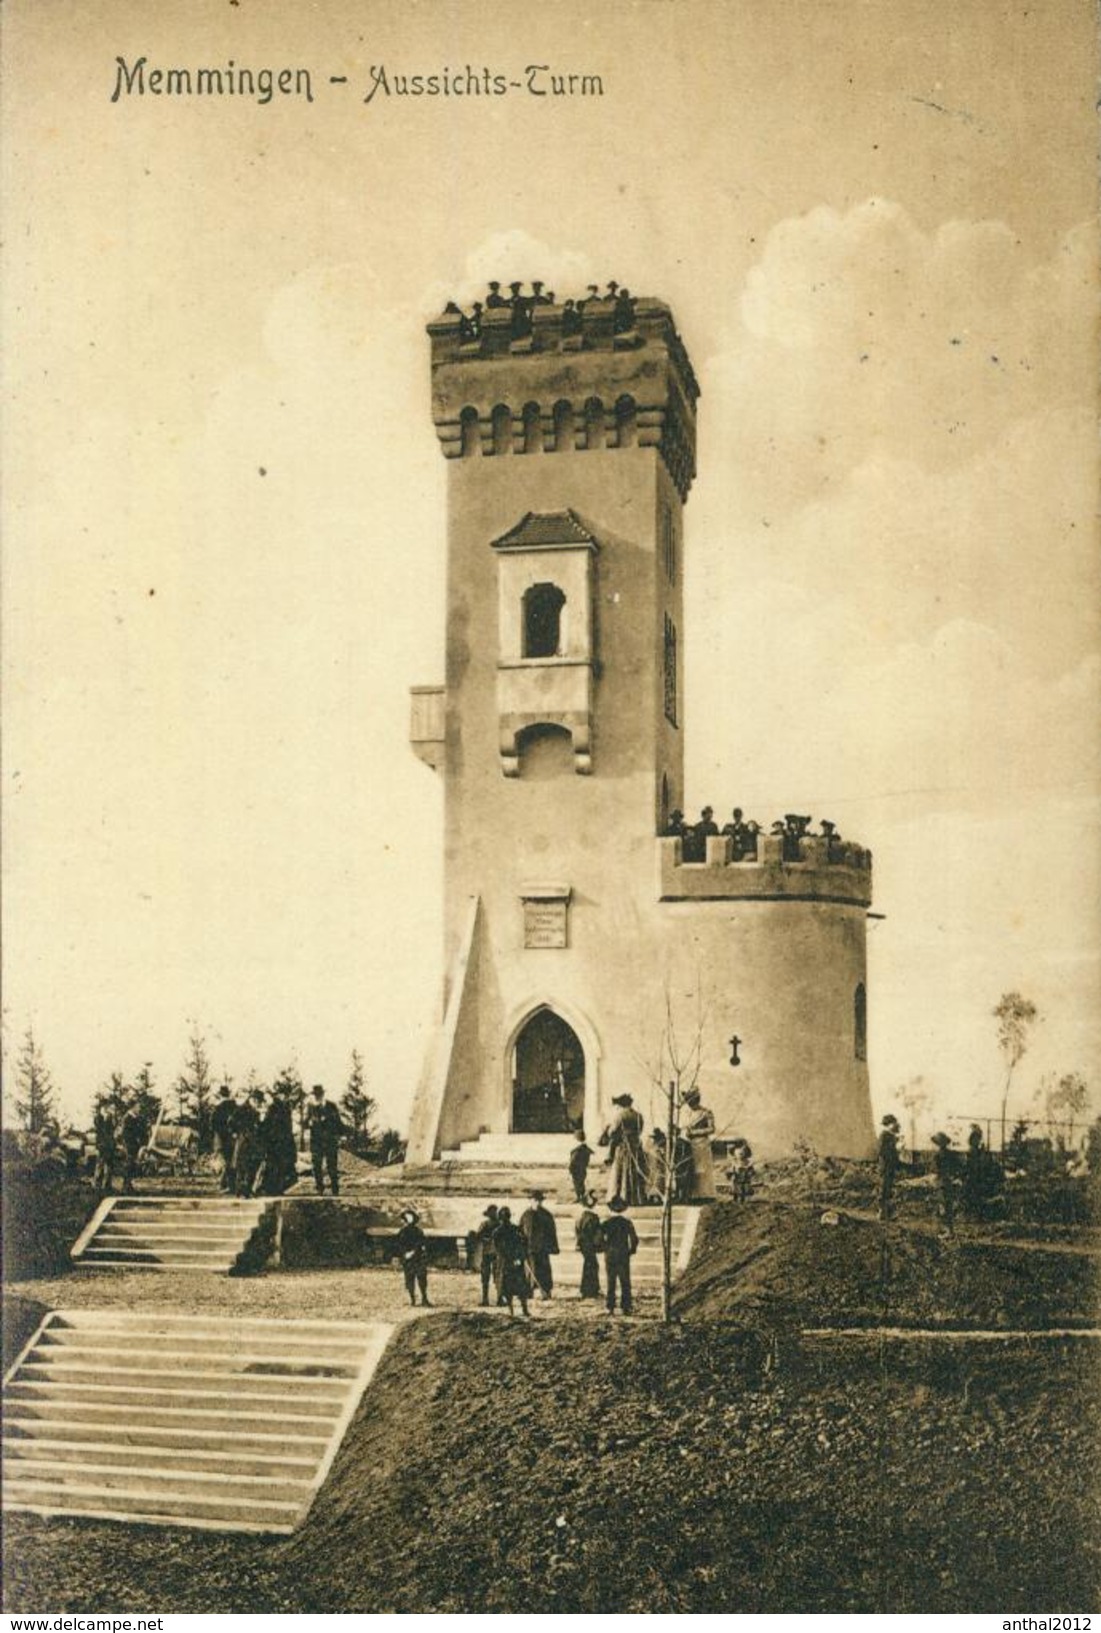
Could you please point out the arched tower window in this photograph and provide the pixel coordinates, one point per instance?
(563, 427)
(626, 420)
(594, 423)
(543, 605)
(468, 421)
(860, 1023)
(502, 429)
(533, 429)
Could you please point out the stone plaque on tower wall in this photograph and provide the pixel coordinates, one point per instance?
(546, 915)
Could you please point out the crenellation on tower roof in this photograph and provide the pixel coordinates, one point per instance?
(531, 376)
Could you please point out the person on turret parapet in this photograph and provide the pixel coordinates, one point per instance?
(676, 827)
(734, 830)
(571, 319)
(495, 299)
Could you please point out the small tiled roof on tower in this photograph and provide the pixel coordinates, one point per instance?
(543, 528)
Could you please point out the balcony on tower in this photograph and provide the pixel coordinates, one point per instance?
(545, 570)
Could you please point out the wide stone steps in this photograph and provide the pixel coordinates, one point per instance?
(181, 1420)
(169, 1232)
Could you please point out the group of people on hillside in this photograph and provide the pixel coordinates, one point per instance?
(514, 1259)
(118, 1140)
(978, 1172)
(254, 1137)
(638, 1167)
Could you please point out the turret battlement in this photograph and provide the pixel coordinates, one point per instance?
(820, 868)
(521, 374)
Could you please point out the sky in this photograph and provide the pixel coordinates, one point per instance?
(224, 502)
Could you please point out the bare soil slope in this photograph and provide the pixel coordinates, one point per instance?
(620, 1466)
(775, 1265)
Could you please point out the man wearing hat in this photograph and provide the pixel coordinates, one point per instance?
(487, 1258)
(247, 1150)
(412, 1250)
(944, 1166)
(620, 1240)
(324, 1124)
(888, 1162)
(541, 1235)
(221, 1127)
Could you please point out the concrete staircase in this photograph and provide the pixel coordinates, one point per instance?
(158, 1232)
(158, 1419)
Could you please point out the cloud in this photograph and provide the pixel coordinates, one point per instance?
(512, 254)
(861, 334)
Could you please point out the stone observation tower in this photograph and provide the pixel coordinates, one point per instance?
(570, 436)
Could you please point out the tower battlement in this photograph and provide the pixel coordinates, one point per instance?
(530, 376)
(826, 871)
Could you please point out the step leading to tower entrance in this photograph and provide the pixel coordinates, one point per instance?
(159, 1419)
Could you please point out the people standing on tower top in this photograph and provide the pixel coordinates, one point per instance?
(470, 327)
(676, 827)
(521, 312)
(580, 1158)
(571, 319)
(325, 1127)
(495, 299)
(541, 1235)
(888, 1161)
(626, 1167)
(537, 296)
(623, 320)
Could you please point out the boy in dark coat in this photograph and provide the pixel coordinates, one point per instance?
(580, 1157)
(487, 1257)
(412, 1249)
(620, 1239)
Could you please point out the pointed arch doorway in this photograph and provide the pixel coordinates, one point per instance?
(547, 1073)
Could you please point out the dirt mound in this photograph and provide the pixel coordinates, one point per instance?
(774, 1265)
(618, 1467)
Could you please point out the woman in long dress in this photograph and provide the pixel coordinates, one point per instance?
(699, 1127)
(626, 1162)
